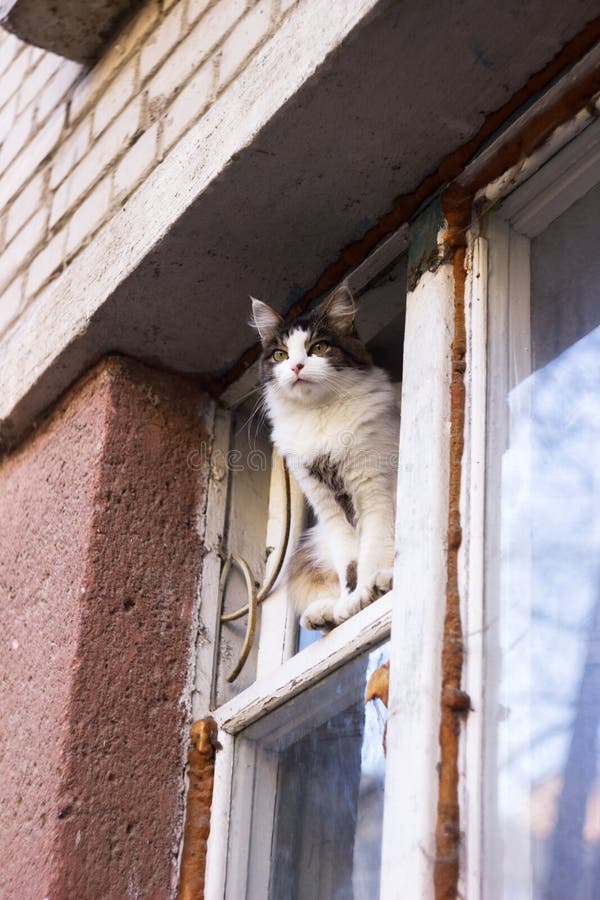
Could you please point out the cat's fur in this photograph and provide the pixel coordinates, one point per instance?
(334, 418)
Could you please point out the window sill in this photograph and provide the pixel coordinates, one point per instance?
(363, 631)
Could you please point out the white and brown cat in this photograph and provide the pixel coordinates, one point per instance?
(335, 420)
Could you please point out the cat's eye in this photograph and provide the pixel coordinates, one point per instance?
(320, 348)
(279, 355)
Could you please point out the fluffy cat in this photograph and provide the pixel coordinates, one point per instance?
(335, 420)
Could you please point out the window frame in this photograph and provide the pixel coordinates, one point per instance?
(498, 303)
(411, 615)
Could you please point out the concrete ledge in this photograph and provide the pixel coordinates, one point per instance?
(69, 28)
(343, 110)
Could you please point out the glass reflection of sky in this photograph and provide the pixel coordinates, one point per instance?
(550, 576)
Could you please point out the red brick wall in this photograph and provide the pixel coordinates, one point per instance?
(99, 561)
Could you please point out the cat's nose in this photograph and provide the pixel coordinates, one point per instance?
(298, 368)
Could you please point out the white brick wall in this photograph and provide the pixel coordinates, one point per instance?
(18, 173)
(46, 263)
(10, 47)
(162, 41)
(190, 103)
(88, 215)
(137, 162)
(75, 143)
(16, 137)
(25, 204)
(7, 117)
(14, 75)
(70, 151)
(12, 299)
(22, 246)
(96, 160)
(245, 37)
(114, 99)
(38, 78)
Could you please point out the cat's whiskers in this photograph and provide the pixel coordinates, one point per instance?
(260, 410)
(245, 396)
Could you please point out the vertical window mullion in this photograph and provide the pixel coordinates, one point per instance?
(471, 563)
(419, 590)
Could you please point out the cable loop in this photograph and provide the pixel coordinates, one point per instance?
(254, 596)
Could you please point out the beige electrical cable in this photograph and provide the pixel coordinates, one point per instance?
(255, 597)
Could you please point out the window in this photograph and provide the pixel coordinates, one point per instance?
(541, 629)
(299, 779)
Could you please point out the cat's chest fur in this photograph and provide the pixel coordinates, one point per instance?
(304, 434)
(339, 430)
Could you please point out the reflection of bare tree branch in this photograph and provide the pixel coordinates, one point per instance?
(545, 735)
(566, 864)
(543, 618)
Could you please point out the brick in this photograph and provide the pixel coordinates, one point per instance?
(11, 303)
(114, 99)
(9, 47)
(194, 49)
(57, 88)
(195, 8)
(244, 38)
(217, 22)
(131, 37)
(106, 149)
(137, 161)
(16, 138)
(16, 254)
(13, 77)
(89, 215)
(35, 54)
(189, 105)
(38, 78)
(24, 206)
(175, 71)
(25, 164)
(7, 117)
(162, 41)
(46, 263)
(128, 40)
(71, 151)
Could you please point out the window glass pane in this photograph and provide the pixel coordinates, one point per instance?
(542, 802)
(308, 794)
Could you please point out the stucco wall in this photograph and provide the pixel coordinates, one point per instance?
(100, 555)
(75, 143)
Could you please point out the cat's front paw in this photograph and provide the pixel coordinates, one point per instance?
(381, 582)
(363, 595)
(318, 615)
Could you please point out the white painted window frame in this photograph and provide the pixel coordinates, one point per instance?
(498, 302)
(415, 605)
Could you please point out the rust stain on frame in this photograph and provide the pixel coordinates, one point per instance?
(454, 702)
(201, 773)
(457, 202)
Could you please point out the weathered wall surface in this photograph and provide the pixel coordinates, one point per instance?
(75, 143)
(100, 555)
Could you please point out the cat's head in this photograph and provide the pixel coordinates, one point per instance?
(316, 357)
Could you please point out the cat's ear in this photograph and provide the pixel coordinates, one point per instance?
(340, 309)
(265, 320)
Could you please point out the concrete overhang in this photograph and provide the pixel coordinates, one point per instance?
(337, 116)
(72, 28)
